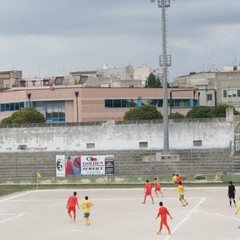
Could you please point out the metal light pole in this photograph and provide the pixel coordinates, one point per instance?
(164, 63)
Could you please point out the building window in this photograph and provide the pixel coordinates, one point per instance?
(3, 107)
(158, 103)
(179, 103)
(15, 106)
(54, 110)
(234, 93)
(224, 93)
(117, 103)
(7, 106)
(38, 106)
(237, 108)
(120, 103)
(229, 93)
(197, 143)
(22, 147)
(143, 144)
(209, 97)
(90, 145)
(127, 103)
(109, 103)
(238, 93)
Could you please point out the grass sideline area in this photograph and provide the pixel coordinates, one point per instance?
(12, 185)
(9, 189)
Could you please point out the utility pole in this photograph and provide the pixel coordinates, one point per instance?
(165, 61)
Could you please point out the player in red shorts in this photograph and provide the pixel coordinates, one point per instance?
(163, 212)
(71, 206)
(157, 187)
(148, 191)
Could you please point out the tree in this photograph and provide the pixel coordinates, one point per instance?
(153, 81)
(210, 112)
(200, 112)
(220, 110)
(143, 113)
(6, 121)
(24, 116)
(176, 115)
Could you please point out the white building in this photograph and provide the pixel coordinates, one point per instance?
(127, 73)
(222, 87)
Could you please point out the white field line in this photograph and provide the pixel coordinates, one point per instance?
(15, 196)
(186, 218)
(11, 218)
(221, 215)
(11, 198)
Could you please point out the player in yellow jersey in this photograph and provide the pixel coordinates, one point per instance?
(181, 191)
(174, 178)
(86, 205)
(238, 208)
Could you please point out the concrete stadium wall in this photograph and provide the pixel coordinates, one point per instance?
(144, 135)
(196, 147)
(128, 163)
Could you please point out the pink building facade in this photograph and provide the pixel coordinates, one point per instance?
(63, 104)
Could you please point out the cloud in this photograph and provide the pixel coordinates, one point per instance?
(65, 35)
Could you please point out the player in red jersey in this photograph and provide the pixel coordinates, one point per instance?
(71, 206)
(157, 187)
(148, 191)
(179, 179)
(163, 212)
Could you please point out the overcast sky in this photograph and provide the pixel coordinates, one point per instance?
(53, 37)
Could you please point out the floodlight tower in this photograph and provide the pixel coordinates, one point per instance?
(165, 61)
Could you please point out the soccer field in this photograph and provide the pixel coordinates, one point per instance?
(119, 214)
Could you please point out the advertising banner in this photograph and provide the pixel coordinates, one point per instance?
(84, 165)
(109, 164)
(73, 165)
(60, 165)
(97, 165)
(93, 165)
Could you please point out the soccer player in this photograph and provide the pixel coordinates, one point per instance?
(238, 207)
(86, 205)
(148, 191)
(231, 193)
(71, 206)
(174, 179)
(181, 191)
(179, 179)
(157, 187)
(163, 212)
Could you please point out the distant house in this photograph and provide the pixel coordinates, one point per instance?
(222, 87)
